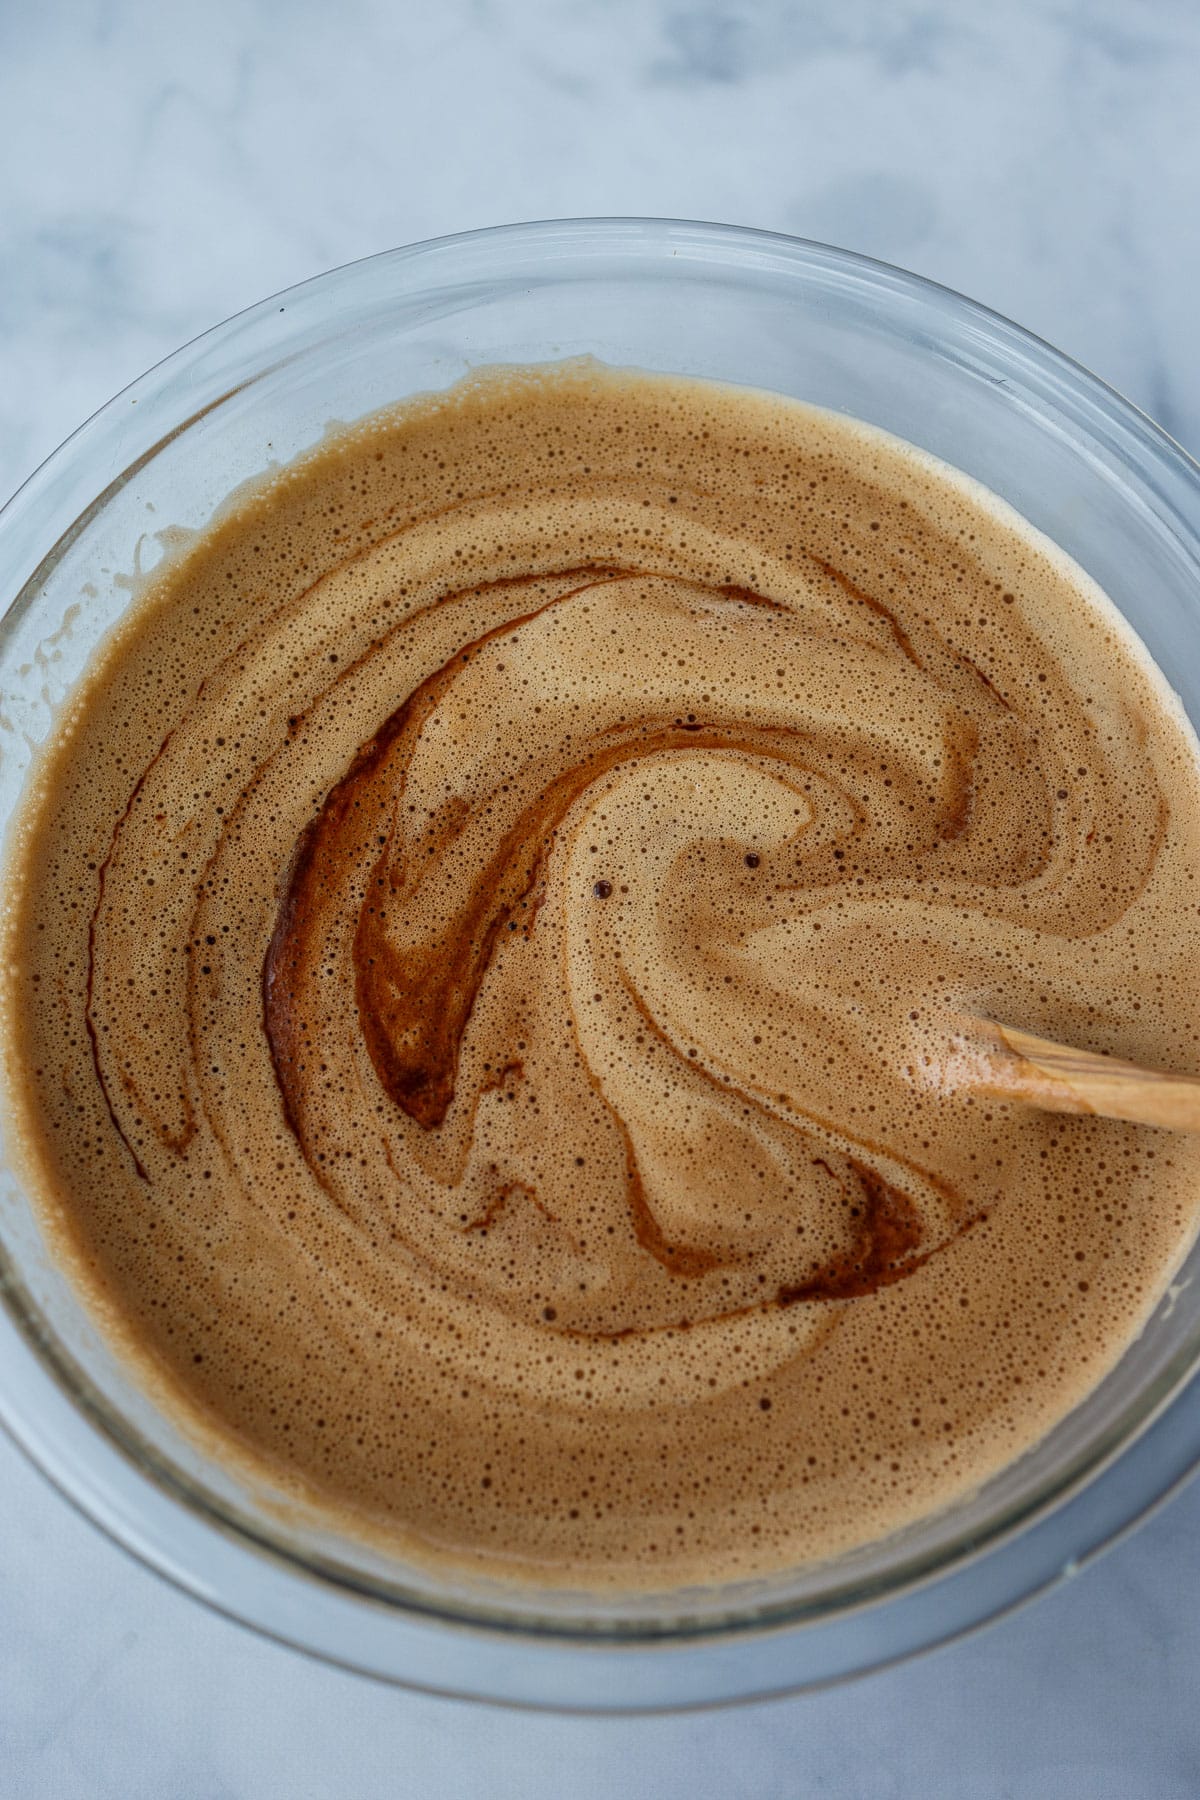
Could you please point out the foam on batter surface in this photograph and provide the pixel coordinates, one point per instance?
(485, 956)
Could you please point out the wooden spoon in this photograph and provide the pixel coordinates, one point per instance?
(1060, 1078)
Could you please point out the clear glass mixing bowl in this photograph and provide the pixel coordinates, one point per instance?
(742, 306)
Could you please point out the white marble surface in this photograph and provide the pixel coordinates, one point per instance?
(162, 165)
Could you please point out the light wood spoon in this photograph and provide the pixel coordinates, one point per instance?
(1060, 1078)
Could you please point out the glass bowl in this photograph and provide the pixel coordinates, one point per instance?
(742, 306)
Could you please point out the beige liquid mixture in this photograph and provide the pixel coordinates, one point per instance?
(487, 955)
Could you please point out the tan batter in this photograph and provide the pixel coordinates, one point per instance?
(488, 952)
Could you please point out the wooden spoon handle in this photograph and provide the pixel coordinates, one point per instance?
(1063, 1079)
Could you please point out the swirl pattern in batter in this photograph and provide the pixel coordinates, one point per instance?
(490, 954)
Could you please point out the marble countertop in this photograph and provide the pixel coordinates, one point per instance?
(162, 166)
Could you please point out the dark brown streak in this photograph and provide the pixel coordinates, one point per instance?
(885, 1247)
(771, 1304)
(598, 573)
(969, 663)
(101, 882)
(959, 785)
(677, 1259)
(731, 591)
(414, 1008)
(903, 641)
(501, 1198)
(885, 1250)
(421, 1086)
(756, 1097)
(177, 1141)
(413, 1011)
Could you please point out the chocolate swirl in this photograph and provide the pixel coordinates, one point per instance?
(542, 851)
